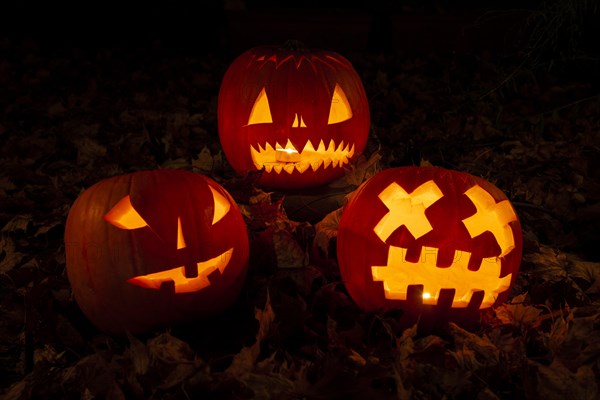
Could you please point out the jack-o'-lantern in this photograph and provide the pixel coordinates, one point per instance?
(429, 241)
(297, 115)
(153, 248)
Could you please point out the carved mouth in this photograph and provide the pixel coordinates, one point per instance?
(177, 275)
(399, 273)
(287, 158)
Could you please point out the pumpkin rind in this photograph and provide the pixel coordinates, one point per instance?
(432, 223)
(296, 89)
(104, 259)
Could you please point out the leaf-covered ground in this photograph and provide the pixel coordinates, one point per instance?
(73, 116)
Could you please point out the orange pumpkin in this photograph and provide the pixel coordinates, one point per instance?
(295, 114)
(154, 247)
(429, 241)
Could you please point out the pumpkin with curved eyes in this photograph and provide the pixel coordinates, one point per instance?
(154, 247)
(295, 114)
(436, 243)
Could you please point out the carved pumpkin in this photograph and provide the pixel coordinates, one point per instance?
(430, 241)
(154, 247)
(296, 115)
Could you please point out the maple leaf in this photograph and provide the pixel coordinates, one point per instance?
(326, 230)
(359, 171)
(518, 313)
(243, 362)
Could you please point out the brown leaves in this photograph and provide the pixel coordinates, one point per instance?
(287, 250)
(554, 268)
(269, 377)
(360, 171)
(473, 351)
(558, 382)
(245, 360)
(93, 377)
(65, 126)
(326, 230)
(518, 313)
(9, 256)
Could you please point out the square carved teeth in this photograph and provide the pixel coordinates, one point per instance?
(287, 158)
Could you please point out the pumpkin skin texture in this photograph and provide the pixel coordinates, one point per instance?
(438, 244)
(152, 248)
(297, 115)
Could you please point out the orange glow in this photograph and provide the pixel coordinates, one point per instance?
(287, 154)
(297, 124)
(180, 239)
(261, 112)
(491, 216)
(183, 284)
(124, 216)
(407, 209)
(340, 109)
(221, 205)
(286, 158)
(399, 273)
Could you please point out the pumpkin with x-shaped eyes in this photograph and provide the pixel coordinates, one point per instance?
(297, 115)
(436, 243)
(154, 247)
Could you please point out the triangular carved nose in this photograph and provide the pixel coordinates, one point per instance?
(298, 122)
(180, 239)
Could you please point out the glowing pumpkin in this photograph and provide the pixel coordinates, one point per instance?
(429, 241)
(154, 247)
(297, 115)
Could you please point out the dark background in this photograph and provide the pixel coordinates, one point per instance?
(227, 25)
(505, 90)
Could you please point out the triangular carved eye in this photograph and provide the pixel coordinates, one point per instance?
(340, 109)
(261, 112)
(222, 206)
(124, 216)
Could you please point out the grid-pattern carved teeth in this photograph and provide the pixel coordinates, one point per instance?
(399, 273)
(286, 158)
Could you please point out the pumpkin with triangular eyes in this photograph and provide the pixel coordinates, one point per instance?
(152, 248)
(297, 115)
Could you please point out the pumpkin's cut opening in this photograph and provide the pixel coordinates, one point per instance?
(221, 205)
(124, 216)
(286, 158)
(179, 277)
(491, 216)
(399, 274)
(407, 209)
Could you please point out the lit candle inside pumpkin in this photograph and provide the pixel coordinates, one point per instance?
(287, 155)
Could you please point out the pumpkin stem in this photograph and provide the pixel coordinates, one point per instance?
(293, 45)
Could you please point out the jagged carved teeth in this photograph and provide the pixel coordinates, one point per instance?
(179, 275)
(287, 158)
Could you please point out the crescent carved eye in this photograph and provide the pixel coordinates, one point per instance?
(261, 112)
(340, 109)
(124, 216)
(221, 204)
